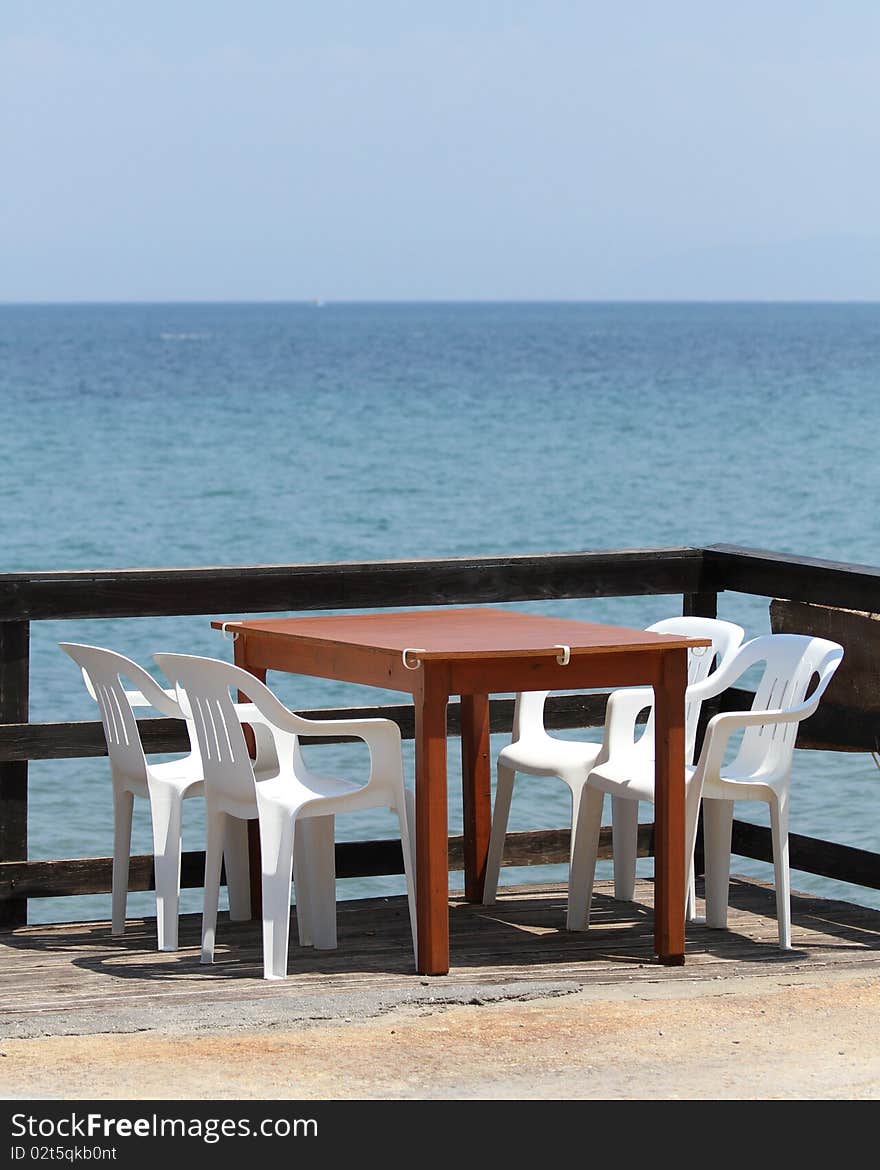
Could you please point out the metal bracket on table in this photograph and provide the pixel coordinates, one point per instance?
(565, 657)
(227, 633)
(416, 662)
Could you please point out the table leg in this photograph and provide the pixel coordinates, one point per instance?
(669, 809)
(253, 827)
(476, 792)
(432, 830)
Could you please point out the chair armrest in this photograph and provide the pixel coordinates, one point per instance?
(621, 713)
(720, 728)
(275, 713)
(736, 719)
(528, 716)
(382, 736)
(716, 682)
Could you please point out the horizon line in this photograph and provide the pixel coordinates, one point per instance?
(321, 302)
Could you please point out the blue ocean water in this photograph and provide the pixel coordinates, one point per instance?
(187, 435)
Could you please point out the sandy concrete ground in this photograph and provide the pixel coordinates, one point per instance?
(773, 1038)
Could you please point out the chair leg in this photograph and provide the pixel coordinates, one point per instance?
(779, 835)
(238, 881)
(584, 850)
(301, 883)
(500, 815)
(691, 819)
(123, 806)
(321, 882)
(717, 825)
(690, 907)
(625, 843)
(409, 798)
(405, 815)
(276, 848)
(165, 807)
(217, 826)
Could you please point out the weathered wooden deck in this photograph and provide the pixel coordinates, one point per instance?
(52, 976)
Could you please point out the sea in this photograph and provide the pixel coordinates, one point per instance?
(139, 435)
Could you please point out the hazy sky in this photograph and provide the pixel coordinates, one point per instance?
(401, 149)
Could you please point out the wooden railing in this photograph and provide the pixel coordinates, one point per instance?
(697, 574)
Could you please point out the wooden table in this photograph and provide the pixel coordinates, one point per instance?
(433, 654)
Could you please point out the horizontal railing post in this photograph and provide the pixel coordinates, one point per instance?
(92, 875)
(826, 859)
(80, 740)
(372, 584)
(770, 574)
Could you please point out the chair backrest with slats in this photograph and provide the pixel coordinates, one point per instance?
(104, 672)
(726, 640)
(790, 663)
(206, 683)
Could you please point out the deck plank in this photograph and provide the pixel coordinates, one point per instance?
(52, 972)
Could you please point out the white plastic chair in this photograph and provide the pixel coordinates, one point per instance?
(166, 785)
(760, 770)
(282, 801)
(535, 752)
